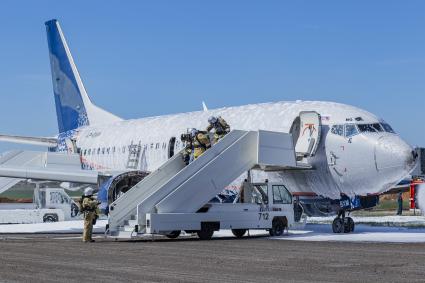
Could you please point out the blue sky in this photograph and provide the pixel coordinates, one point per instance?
(145, 58)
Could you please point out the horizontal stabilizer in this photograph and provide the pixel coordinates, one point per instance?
(42, 141)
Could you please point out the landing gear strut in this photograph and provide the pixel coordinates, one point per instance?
(342, 224)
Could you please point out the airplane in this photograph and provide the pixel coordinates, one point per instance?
(352, 153)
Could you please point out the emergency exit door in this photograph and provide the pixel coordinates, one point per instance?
(306, 130)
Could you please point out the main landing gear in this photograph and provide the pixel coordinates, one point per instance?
(342, 224)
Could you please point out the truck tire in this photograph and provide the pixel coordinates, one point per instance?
(74, 210)
(238, 233)
(50, 218)
(173, 234)
(205, 234)
(278, 227)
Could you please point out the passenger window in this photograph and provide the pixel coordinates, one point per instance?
(350, 130)
(281, 195)
(338, 130)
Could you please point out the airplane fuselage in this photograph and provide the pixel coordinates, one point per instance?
(352, 158)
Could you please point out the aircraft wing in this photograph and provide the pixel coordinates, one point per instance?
(52, 166)
(43, 141)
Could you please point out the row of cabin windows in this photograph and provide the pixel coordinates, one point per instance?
(116, 149)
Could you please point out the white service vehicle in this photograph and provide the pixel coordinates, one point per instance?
(261, 206)
(49, 205)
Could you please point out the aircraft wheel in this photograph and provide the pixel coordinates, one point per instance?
(348, 225)
(173, 234)
(205, 234)
(238, 232)
(351, 224)
(337, 225)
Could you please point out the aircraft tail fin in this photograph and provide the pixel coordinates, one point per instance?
(73, 106)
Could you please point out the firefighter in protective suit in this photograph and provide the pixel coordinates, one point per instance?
(188, 147)
(200, 142)
(220, 126)
(89, 206)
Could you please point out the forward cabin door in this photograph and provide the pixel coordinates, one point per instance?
(306, 130)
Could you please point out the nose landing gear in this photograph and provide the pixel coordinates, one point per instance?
(342, 224)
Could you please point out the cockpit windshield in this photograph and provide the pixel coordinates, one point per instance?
(387, 128)
(349, 130)
(370, 128)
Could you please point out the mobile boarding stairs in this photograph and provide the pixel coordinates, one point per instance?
(176, 196)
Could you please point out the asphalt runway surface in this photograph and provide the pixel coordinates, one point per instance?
(64, 258)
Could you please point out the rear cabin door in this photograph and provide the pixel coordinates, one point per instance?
(306, 130)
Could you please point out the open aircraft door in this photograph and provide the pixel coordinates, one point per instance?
(306, 130)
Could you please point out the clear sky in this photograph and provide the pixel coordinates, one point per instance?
(144, 58)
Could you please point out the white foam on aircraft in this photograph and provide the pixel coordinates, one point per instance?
(363, 177)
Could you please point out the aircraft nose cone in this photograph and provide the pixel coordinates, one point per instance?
(392, 153)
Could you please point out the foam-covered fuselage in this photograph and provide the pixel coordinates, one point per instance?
(355, 163)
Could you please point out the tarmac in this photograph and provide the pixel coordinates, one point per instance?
(64, 258)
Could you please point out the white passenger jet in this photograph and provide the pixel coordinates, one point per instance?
(351, 153)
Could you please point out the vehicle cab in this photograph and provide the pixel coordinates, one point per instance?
(55, 198)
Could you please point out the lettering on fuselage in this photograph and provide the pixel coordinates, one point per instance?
(93, 134)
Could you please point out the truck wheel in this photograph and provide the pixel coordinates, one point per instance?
(278, 227)
(205, 234)
(50, 218)
(173, 234)
(238, 233)
(74, 210)
(337, 225)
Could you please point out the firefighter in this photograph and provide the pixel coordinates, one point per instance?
(188, 147)
(200, 141)
(89, 206)
(220, 126)
(400, 203)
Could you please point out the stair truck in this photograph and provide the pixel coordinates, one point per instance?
(176, 197)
